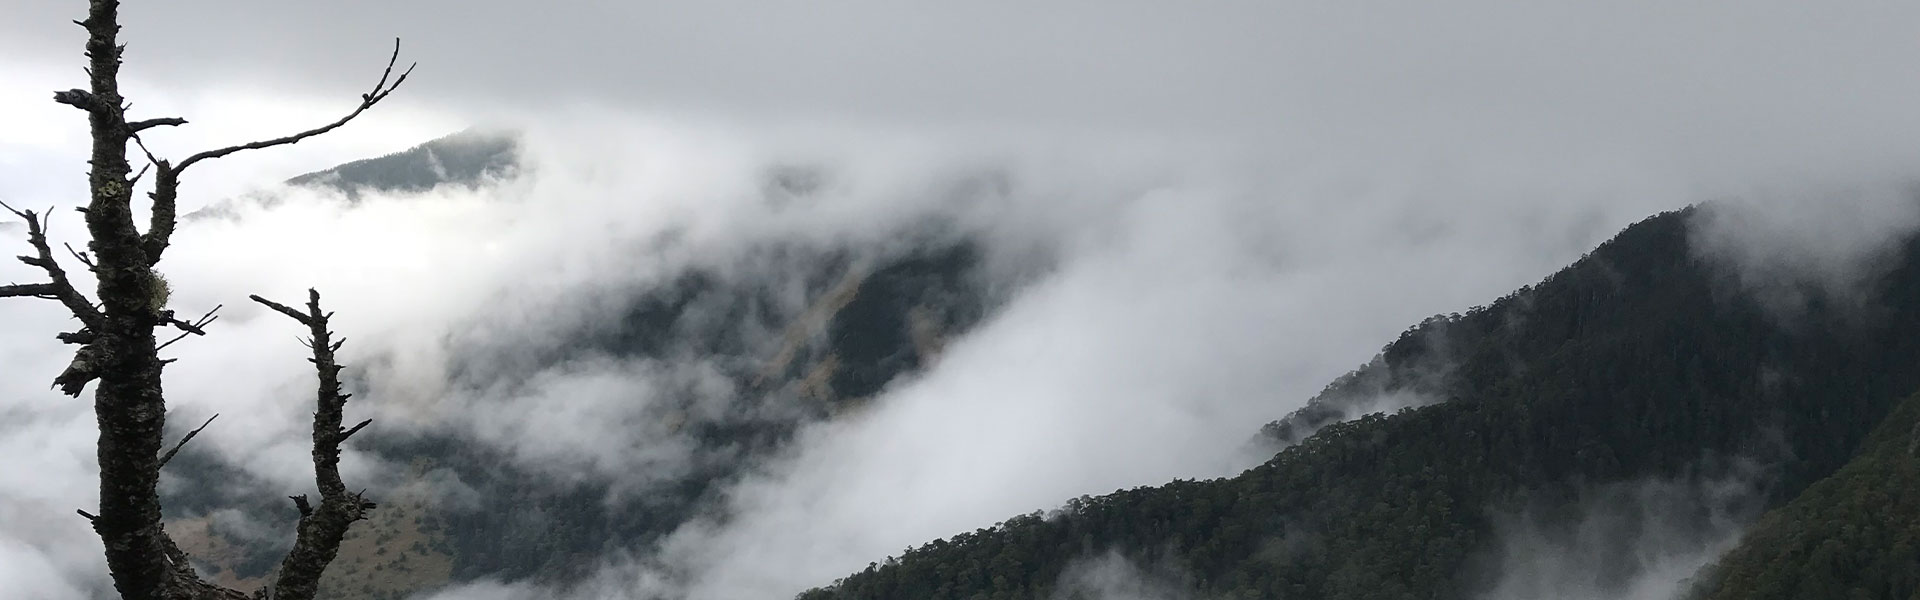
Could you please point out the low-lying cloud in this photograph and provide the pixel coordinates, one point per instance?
(1635, 540)
(1789, 248)
(1183, 303)
(1112, 576)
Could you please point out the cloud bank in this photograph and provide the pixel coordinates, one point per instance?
(1186, 303)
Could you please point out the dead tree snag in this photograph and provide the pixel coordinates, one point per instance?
(118, 351)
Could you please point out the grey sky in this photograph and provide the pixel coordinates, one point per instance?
(1723, 90)
(1639, 72)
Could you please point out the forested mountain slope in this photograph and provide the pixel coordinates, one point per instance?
(798, 333)
(1853, 535)
(1641, 361)
(865, 326)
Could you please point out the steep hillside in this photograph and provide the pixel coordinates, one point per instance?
(857, 333)
(1639, 362)
(796, 333)
(1853, 535)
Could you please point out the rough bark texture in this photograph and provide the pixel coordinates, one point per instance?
(321, 529)
(127, 402)
(118, 349)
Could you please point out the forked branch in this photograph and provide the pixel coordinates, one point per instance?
(58, 287)
(166, 187)
(81, 370)
(196, 327)
(322, 527)
(367, 100)
(183, 441)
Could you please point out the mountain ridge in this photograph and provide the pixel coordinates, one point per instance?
(1635, 362)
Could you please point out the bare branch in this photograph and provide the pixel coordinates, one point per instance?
(165, 196)
(183, 335)
(166, 188)
(82, 100)
(151, 160)
(197, 327)
(59, 288)
(164, 213)
(322, 527)
(355, 429)
(80, 256)
(283, 309)
(81, 371)
(30, 290)
(183, 441)
(380, 92)
(139, 126)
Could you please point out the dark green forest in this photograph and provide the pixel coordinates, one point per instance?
(1642, 360)
(1853, 535)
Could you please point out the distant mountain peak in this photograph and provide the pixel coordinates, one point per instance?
(468, 158)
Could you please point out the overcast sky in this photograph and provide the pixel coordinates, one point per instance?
(1722, 85)
(1275, 189)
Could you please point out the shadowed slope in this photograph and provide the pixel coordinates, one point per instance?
(1639, 361)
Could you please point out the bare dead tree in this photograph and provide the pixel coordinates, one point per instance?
(118, 349)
